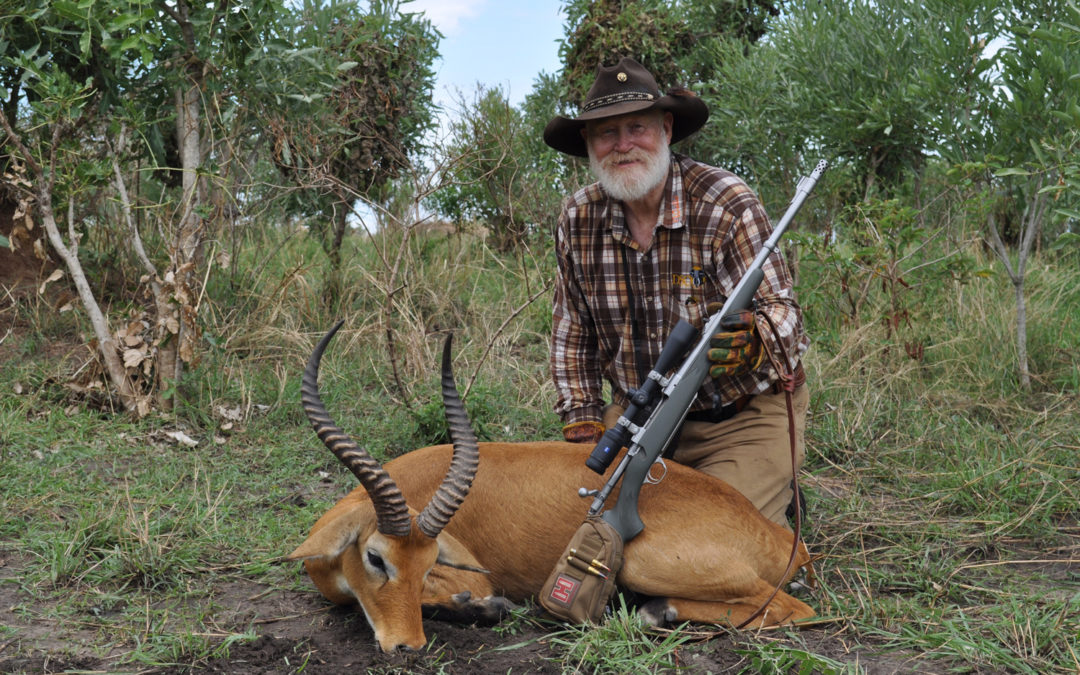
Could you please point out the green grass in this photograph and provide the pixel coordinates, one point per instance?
(952, 526)
(775, 658)
(943, 498)
(621, 643)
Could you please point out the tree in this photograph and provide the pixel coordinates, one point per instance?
(96, 83)
(878, 85)
(669, 37)
(348, 101)
(754, 125)
(1033, 150)
(493, 172)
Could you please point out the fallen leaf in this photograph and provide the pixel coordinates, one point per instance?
(56, 274)
(232, 414)
(133, 357)
(181, 438)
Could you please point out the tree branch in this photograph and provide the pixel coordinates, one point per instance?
(498, 331)
(10, 134)
(125, 205)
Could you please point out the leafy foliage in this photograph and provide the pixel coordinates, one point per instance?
(1036, 118)
(669, 37)
(347, 102)
(493, 177)
(877, 83)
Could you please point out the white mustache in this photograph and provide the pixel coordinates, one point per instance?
(614, 159)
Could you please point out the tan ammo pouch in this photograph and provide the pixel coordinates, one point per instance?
(584, 576)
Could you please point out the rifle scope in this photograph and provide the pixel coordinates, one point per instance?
(643, 398)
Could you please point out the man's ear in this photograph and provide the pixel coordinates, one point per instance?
(669, 123)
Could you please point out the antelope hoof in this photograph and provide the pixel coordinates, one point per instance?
(657, 613)
(489, 609)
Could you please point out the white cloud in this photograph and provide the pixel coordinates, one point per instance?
(445, 14)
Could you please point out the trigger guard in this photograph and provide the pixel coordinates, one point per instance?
(663, 474)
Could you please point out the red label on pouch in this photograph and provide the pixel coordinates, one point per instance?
(565, 589)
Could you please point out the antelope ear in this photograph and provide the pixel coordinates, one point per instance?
(335, 536)
(452, 553)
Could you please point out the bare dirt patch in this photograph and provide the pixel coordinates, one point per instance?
(298, 631)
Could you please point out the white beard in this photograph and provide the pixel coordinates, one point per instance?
(628, 185)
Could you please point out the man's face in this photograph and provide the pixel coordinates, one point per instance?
(629, 154)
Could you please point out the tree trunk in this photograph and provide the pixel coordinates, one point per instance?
(1021, 333)
(341, 219)
(187, 252)
(1030, 227)
(107, 345)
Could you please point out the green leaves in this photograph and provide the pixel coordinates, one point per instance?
(1011, 171)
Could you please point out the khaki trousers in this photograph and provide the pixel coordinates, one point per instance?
(751, 451)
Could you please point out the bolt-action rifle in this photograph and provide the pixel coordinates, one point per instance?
(657, 408)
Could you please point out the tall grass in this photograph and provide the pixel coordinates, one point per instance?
(945, 499)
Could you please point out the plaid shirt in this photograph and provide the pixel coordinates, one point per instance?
(710, 228)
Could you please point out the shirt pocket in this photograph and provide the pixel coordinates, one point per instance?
(690, 294)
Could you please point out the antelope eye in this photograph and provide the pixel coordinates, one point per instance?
(376, 561)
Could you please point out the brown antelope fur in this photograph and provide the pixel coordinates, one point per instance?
(706, 554)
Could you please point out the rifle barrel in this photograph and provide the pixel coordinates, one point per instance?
(650, 438)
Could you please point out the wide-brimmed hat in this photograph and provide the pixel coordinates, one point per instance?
(620, 89)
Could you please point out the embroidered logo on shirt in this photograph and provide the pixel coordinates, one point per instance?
(693, 279)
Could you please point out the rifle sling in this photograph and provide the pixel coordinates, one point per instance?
(788, 382)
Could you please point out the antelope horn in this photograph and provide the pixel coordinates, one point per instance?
(391, 512)
(459, 476)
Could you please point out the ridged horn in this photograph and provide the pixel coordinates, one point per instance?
(391, 512)
(459, 476)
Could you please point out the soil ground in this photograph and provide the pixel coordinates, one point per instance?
(299, 632)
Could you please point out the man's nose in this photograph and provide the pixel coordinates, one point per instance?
(624, 142)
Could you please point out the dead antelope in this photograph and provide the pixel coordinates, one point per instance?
(498, 515)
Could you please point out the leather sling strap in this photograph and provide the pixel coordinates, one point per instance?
(787, 380)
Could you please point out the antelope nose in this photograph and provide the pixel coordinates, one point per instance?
(400, 648)
(405, 650)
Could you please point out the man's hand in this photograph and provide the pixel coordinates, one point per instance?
(737, 348)
(583, 432)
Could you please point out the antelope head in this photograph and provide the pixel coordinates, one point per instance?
(377, 552)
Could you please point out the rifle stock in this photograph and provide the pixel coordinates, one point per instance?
(664, 402)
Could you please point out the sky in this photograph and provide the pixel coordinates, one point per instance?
(503, 43)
